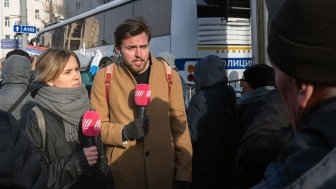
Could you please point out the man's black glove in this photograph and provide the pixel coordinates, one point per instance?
(181, 184)
(136, 129)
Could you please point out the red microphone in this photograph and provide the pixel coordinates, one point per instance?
(142, 98)
(91, 124)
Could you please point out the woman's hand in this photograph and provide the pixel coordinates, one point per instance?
(91, 154)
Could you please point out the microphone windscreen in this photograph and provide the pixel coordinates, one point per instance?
(142, 94)
(91, 123)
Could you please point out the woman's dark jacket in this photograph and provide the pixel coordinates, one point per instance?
(314, 139)
(211, 126)
(19, 164)
(64, 163)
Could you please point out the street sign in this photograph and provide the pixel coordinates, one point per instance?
(24, 29)
(17, 28)
(10, 43)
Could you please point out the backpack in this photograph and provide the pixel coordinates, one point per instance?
(108, 77)
(41, 124)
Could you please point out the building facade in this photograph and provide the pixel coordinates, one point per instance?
(40, 13)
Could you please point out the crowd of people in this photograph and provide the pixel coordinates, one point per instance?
(278, 134)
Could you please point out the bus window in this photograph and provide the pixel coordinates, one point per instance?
(224, 29)
(223, 8)
(157, 14)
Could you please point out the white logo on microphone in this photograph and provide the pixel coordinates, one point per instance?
(141, 92)
(98, 124)
(148, 94)
(87, 122)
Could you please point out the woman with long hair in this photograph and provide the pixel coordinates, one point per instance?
(62, 99)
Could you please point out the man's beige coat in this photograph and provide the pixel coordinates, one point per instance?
(165, 154)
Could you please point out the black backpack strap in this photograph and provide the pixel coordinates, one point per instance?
(24, 94)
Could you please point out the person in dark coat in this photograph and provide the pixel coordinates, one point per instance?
(256, 83)
(19, 164)
(302, 49)
(268, 133)
(211, 125)
(322, 175)
(66, 161)
(16, 76)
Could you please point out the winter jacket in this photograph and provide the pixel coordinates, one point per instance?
(19, 165)
(87, 79)
(64, 163)
(322, 175)
(268, 133)
(212, 128)
(314, 139)
(16, 75)
(165, 153)
(248, 105)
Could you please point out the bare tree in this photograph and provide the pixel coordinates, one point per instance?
(55, 10)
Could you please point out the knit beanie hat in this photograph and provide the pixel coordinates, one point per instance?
(302, 41)
(168, 57)
(259, 75)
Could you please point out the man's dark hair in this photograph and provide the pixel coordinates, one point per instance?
(259, 75)
(17, 52)
(131, 27)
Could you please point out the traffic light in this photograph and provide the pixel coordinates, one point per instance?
(190, 72)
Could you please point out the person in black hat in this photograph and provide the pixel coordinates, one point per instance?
(259, 134)
(267, 132)
(259, 75)
(256, 83)
(302, 50)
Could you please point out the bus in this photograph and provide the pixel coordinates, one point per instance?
(189, 29)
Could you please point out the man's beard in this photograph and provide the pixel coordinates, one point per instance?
(133, 69)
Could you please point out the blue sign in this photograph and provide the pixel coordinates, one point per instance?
(24, 29)
(17, 28)
(10, 43)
